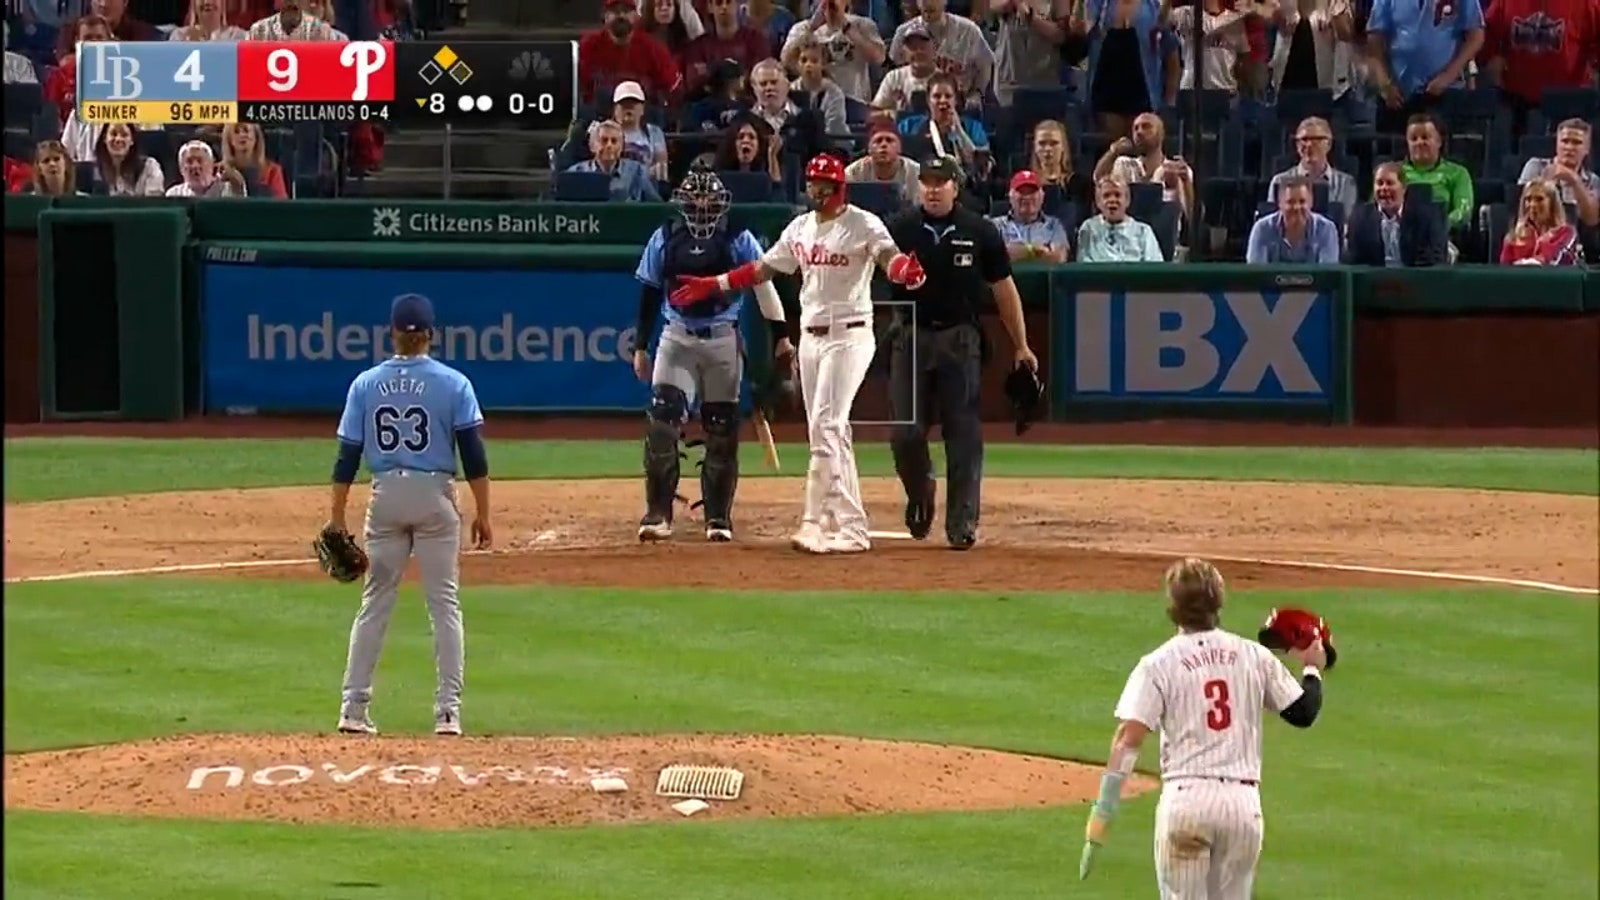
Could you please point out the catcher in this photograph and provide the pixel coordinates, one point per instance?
(1206, 691)
(699, 356)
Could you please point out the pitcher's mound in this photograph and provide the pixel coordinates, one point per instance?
(527, 782)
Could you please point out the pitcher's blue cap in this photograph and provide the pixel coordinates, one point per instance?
(411, 312)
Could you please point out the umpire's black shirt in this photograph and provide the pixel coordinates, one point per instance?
(962, 253)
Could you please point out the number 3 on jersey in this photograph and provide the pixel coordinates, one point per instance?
(394, 428)
(1220, 715)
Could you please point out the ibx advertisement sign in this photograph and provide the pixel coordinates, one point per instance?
(1255, 347)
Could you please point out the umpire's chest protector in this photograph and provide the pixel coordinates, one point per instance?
(685, 254)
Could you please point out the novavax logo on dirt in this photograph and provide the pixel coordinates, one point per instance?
(445, 783)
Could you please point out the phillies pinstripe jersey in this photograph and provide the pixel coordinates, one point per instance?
(1206, 693)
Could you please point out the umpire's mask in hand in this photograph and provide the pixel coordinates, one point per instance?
(1026, 393)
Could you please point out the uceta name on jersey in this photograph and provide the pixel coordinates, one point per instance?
(392, 386)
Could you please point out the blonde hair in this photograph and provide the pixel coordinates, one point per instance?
(1110, 181)
(1546, 187)
(1066, 147)
(1195, 593)
(258, 152)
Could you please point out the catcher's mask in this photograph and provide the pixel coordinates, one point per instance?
(825, 183)
(1296, 629)
(703, 201)
(1026, 393)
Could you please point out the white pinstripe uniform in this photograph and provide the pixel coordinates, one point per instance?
(1206, 693)
(835, 259)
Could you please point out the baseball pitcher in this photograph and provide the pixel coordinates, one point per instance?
(699, 354)
(1205, 690)
(406, 417)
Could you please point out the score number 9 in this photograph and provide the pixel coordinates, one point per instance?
(283, 69)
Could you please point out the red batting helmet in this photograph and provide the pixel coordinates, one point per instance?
(828, 168)
(1296, 629)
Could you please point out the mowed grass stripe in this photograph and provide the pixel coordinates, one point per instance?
(1456, 757)
(57, 468)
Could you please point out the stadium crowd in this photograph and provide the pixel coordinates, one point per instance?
(1377, 132)
(49, 151)
(1374, 132)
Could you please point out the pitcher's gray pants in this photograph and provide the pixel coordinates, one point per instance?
(410, 513)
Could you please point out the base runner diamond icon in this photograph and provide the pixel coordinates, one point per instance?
(460, 72)
(430, 73)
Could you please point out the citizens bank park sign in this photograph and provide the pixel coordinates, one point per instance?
(288, 774)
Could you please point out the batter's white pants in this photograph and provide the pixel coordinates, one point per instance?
(832, 367)
(1208, 839)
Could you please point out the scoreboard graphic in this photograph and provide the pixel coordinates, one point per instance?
(278, 82)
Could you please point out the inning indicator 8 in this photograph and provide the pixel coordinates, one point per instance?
(532, 83)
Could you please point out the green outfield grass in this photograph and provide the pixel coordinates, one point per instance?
(55, 468)
(1457, 756)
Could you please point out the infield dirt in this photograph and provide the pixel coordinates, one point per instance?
(1037, 534)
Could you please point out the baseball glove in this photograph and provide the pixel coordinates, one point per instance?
(339, 554)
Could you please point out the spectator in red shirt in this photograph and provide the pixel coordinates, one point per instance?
(61, 85)
(1530, 45)
(725, 39)
(18, 175)
(618, 52)
(1541, 236)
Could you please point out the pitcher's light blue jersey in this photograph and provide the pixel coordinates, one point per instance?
(652, 263)
(405, 412)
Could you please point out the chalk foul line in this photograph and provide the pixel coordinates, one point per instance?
(546, 537)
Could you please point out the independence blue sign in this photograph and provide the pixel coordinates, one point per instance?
(291, 339)
(1249, 345)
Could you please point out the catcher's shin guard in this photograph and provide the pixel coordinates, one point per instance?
(719, 471)
(664, 426)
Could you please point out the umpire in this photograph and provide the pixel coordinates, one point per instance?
(938, 349)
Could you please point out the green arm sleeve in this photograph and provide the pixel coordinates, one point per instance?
(1461, 196)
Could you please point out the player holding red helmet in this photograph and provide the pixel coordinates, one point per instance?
(834, 248)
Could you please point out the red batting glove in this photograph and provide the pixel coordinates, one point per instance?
(904, 269)
(692, 289)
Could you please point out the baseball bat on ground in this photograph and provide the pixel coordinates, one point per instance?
(764, 431)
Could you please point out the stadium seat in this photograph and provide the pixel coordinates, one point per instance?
(1295, 105)
(1032, 105)
(23, 102)
(1215, 107)
(747, 187)
(86, 176)
(19, 145)
(856, 113)
(582, 187)
(1557, 104)
(1145, 199)
(881, 198)
(1165, 223)
(1494, 220)
(1537, 145)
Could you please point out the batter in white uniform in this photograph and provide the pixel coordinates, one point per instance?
(835, 249)
(1206, 690)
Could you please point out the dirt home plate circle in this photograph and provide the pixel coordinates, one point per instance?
(1037, 534)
